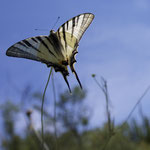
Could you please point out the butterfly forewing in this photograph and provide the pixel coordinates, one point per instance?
(37, 48)
(71, 32)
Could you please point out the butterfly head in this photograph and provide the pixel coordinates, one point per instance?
(52, 32)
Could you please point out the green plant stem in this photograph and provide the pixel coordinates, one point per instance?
(40, 139)
(55, 115)
(42, 128)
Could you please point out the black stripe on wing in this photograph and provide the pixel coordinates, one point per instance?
(73, 25)
(18, 52)
(77, 19)
(29, 45)
(22, 44)
(55, 42)
(67, 24)
(34, 40)
(42, 41)
(64, 36)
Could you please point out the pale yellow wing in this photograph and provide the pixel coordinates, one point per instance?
(71, 32)
(40, 48)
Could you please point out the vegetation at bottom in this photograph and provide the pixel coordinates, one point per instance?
(67, 126)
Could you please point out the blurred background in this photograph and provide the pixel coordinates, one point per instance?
(113, 65)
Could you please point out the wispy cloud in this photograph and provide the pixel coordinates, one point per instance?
(142, 4)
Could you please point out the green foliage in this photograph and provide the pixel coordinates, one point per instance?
(140, 132)
(72, 120)
(71, 111)
(9, 113)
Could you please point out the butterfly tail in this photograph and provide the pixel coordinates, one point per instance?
(73, 70)
(77, 79)
(72, 62)
(65, 78)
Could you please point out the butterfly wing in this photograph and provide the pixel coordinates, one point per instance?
(40, 48)
(46, 49)
(70, 34)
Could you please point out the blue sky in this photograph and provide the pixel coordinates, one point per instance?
(115, 46)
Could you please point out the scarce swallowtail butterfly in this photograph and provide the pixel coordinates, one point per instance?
(57, 50)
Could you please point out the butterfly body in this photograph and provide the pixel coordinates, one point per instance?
(58, 50)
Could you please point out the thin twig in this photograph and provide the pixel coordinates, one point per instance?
(133, 109)
(42, 128)
(104, 88)
(130, 114)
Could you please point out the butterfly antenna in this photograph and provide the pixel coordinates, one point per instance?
(65, 78)
(41, 29)
(55, 22)
(77, 79)
(47, 29)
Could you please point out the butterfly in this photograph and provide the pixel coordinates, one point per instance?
(57, 50)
